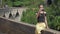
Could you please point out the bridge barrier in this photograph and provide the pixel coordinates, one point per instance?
(8, 26)
(4, 11)
(11, 27)
(50, 31)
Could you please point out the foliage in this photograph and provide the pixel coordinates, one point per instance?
(53, 15)
(18, 3)
(29, 16)
(23, 2)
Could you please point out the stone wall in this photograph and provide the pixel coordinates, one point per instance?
(8, 26)
(11, 27)
(50, 31)
(4, 10)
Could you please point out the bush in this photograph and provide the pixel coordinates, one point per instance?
(29, 16)
(18, 4)
(53, 17)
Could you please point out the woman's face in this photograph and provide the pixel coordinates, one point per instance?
(41, 6)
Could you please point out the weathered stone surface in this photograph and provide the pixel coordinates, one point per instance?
(10, 15)
(47, 32)
(11, 27)
(50, 31)
(17, 14)
(6, 10)
(4, 15)
(8, 26)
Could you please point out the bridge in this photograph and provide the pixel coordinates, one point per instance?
(11, 26)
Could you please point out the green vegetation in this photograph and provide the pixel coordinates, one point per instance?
(29, 16)
(53, 16)
(20, 3)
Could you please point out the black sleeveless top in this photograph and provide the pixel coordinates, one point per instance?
(41, 17)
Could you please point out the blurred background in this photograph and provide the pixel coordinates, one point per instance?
(52, 7)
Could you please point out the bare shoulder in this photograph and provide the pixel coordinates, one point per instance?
(45, 12)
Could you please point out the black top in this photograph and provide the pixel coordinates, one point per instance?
(41, 17)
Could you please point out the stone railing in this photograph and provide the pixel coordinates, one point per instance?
(8, 26)
(11, 27)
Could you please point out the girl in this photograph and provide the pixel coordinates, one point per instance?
(41, 18)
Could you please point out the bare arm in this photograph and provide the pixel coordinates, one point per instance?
(46, 22)
(37, 14)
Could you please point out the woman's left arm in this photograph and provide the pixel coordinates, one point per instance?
(46, 21)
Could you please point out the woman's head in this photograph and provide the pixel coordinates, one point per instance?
(41, 6)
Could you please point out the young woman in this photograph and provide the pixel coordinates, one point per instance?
(41, 18)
